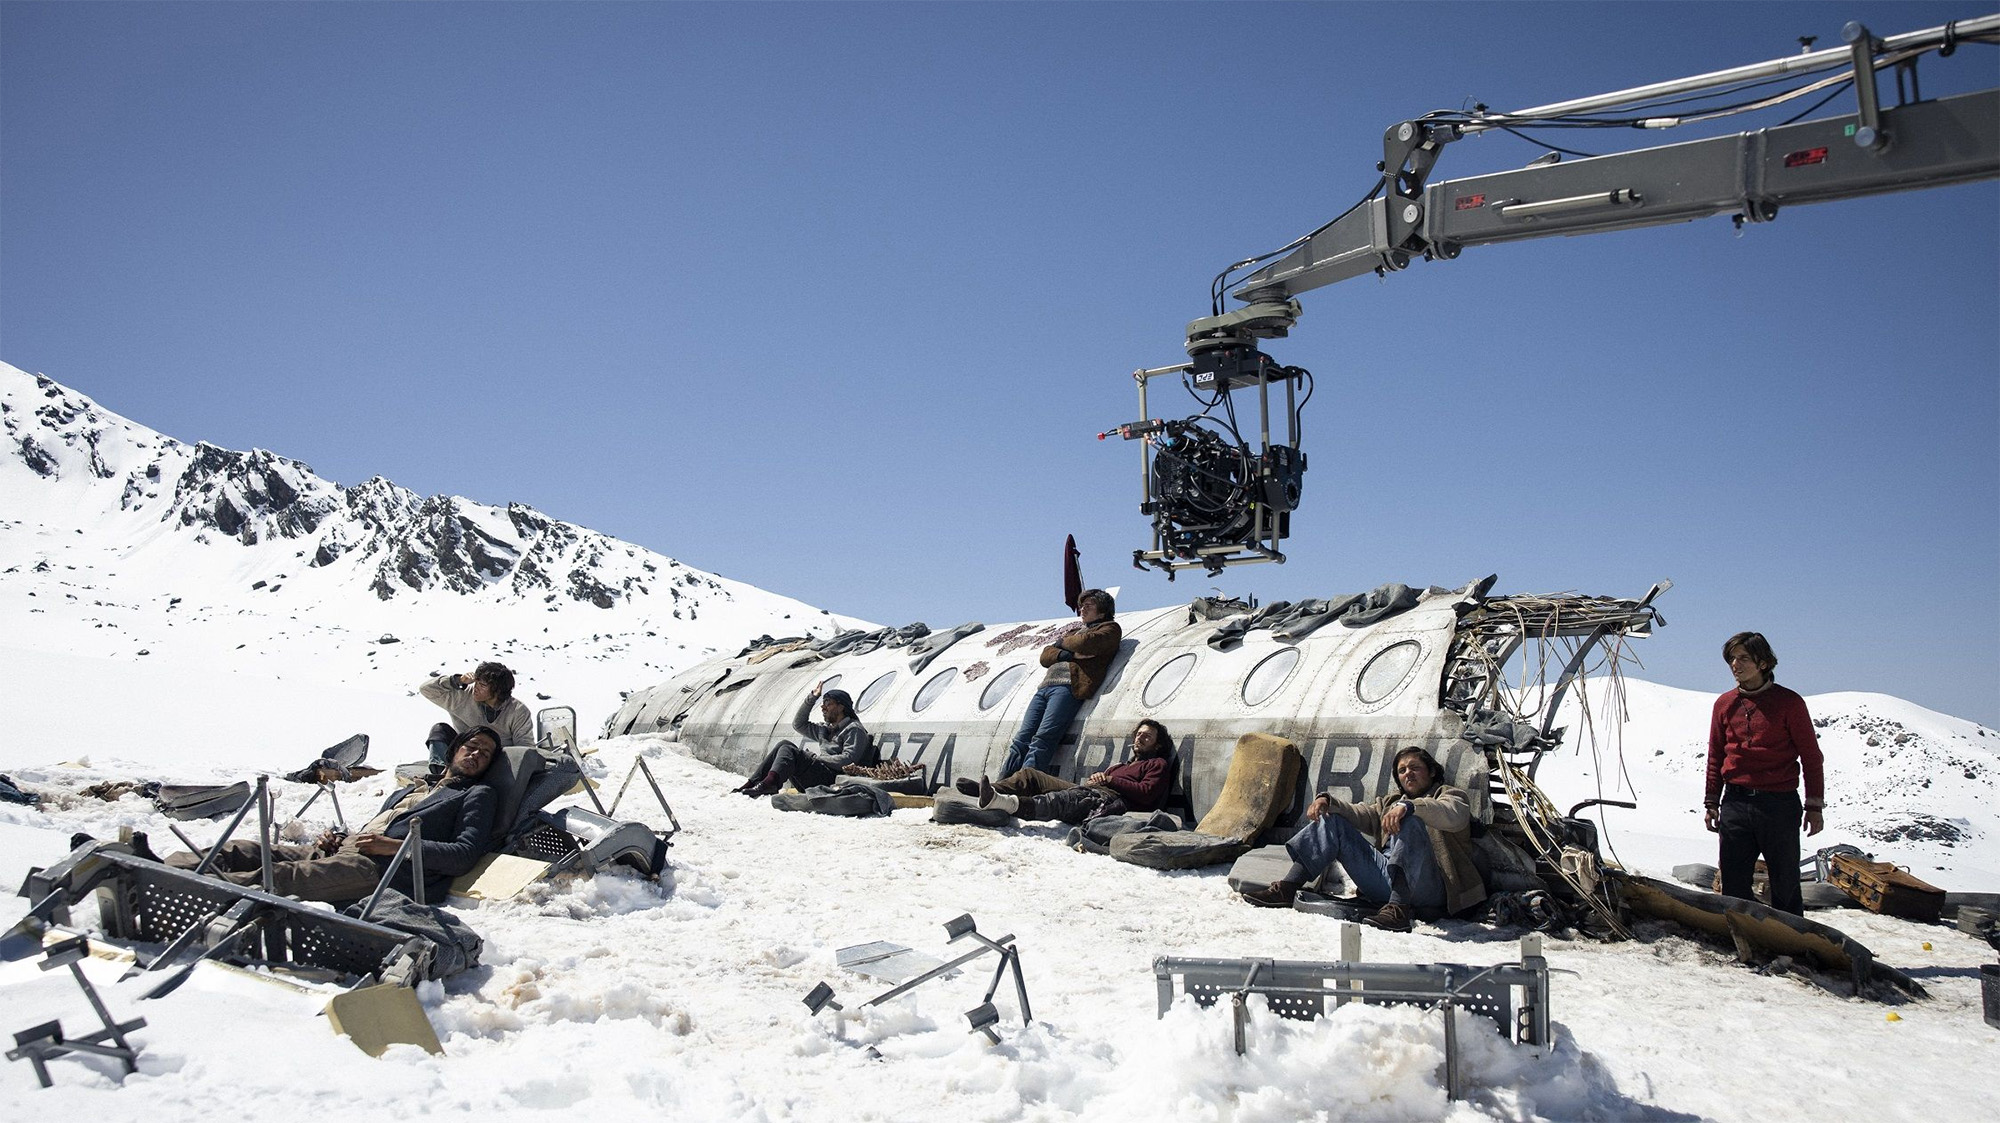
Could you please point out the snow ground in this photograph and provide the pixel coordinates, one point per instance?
(127, 653)
(682, 1000)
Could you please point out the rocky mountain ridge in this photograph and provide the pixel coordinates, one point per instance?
(394, 541)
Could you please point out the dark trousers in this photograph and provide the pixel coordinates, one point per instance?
(438, 742)
(1070, 805)
(1030, 781)
(789, 762)
(1766, 824)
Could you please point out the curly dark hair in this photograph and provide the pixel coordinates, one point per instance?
(1163, 741)
(497, 678)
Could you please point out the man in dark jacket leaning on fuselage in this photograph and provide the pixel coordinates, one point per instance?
(456, 813)
(1411, 850)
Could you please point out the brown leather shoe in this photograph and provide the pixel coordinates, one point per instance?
(1392, 917)
(1277, 895)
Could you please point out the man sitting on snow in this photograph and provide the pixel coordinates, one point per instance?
(484, 697)
(1410, 851)
(1140, 784)
(456, 817)
(842, 739)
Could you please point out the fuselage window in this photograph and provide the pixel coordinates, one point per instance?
(1387, 671)
(873, 691)
(1268, 675)
(1167, 679)
(1003, 685)
(932, 689)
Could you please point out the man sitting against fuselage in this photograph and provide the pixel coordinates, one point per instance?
(1409, 852)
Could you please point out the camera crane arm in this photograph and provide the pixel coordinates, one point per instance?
(1750, 174)
(1215, 501)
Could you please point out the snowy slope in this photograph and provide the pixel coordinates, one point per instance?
(121, 549)
(1905, 783)
(130, 648)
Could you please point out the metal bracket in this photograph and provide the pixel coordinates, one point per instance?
(1868, 133)
(982, 1017)
(40, 1044)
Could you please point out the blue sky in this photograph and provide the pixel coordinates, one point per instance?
(834, 298)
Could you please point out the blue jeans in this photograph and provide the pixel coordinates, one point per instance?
(1042, 727)
(1406, 873)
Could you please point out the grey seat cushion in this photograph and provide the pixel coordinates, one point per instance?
(1262, 866)
(853, 800)
(1094, 836)
(948, 806)
(1175, 850)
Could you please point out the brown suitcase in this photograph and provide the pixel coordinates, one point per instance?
(1881, 887)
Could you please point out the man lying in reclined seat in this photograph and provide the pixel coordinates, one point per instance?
(1140, 784)
(457, 816)
(1409, 852)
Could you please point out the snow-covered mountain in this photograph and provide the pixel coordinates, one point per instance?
(187, 613)
(120, 544)
(307, 605)
(1904, 783)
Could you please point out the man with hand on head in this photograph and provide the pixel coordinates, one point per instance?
(1140, 784)
(841, 737)
(484, 697)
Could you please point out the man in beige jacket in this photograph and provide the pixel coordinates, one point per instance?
(1411, 850)
(484, 697)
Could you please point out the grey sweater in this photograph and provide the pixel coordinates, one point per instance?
(840, 745)
(511, 721)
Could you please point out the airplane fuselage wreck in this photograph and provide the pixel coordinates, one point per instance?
(1350, 681)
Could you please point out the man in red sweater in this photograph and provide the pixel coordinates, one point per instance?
(1140, 784)
(1760, 739)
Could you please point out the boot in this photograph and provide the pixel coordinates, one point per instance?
(141, 848)
(966, 785)
(771, 784)
(1392, 917)
(985, 792)
(1277, 895)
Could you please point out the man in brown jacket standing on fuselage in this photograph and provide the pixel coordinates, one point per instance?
(1077, 663)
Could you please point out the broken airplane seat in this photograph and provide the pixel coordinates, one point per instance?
(1760, 933)
(537, 844)
(200, 917)
(1263, 776)
(201, 801)
(1302, 990)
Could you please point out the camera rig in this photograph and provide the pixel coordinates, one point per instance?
(1214, 500)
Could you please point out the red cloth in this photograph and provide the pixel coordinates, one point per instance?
(1763, 741)
(1141, 783)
